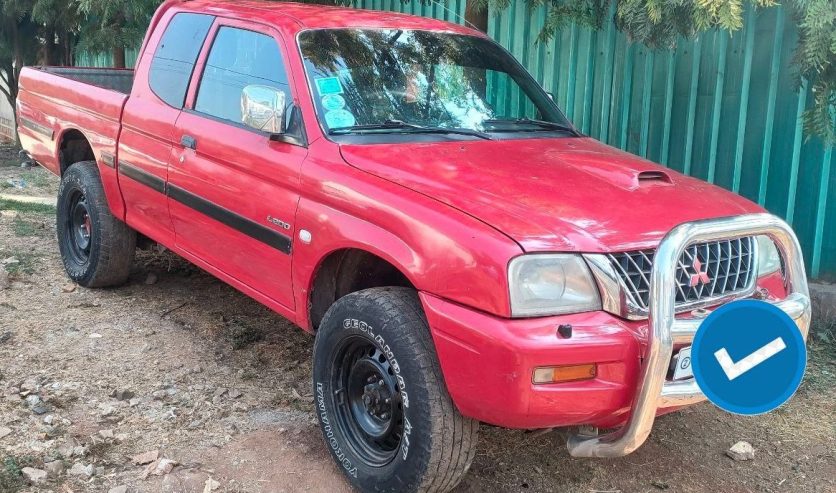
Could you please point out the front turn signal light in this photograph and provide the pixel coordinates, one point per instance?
(560, 374)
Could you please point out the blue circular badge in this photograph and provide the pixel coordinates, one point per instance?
(748, 357)
(332, 102)
(340, 119)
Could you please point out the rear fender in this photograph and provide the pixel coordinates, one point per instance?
(104, 153)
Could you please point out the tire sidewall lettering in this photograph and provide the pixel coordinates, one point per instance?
(330, 437)
(380, 341)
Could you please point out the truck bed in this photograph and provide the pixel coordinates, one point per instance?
(119, 80)
(54, 101)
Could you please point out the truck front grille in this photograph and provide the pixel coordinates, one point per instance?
(706, 272)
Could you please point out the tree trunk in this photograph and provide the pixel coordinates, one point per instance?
(119, 57)
(51, 50)
(13, 73)
(8, 88)
(476, 16)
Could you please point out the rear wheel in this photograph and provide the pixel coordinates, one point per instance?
(97, 249)
(384, 410)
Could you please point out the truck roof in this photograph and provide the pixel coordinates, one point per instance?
(310, 16)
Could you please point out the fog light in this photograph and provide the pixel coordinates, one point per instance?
(556, 374)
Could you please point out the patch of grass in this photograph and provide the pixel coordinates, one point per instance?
(25, 227)
(242, 335)
(821, 369)
(27, 262)
(38, 177)
(11, 475)
(11, 479)
(13, 205)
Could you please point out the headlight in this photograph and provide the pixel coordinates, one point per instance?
(551, 284)
(769, 260)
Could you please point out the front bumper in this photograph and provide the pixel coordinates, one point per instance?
(488, 361)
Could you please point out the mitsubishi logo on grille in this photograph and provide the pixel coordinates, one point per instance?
(700, 276)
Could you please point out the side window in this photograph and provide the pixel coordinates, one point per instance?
(238, 58)
(173, 63)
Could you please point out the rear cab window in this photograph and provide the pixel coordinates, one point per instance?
(176, 55)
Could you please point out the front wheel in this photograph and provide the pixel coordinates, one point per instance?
(96, 247)
(380, 396)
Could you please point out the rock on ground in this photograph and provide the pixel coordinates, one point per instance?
(211, 485)
(80, 469)
(54, 468)
(34, 475)
(741, 451)
(145, 457)
(160, 467)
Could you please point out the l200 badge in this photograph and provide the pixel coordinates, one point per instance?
(278, 222)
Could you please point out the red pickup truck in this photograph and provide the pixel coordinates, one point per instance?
(402, 188)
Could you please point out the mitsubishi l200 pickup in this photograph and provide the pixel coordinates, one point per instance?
(403, 189)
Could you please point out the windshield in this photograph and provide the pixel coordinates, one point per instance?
(403, 81)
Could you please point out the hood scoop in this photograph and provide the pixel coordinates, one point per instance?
(648, 177)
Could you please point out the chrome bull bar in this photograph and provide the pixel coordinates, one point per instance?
(665, 331)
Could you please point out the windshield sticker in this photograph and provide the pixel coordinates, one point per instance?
(329, 85)
(333, 102)
(340, 119)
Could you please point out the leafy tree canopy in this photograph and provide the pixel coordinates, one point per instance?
(114, 25)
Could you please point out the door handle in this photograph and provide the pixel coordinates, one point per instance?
(189, 142)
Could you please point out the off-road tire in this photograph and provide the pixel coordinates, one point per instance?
(111, 243)
(438, 443)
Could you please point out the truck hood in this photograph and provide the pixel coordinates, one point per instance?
(570, 194)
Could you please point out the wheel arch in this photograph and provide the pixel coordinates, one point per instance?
(72, 147)
(347, 270)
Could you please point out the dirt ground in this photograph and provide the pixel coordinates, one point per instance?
(179, 363)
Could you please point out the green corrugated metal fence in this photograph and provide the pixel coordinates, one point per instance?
(452, 10)
(86, 59)
(722, 108)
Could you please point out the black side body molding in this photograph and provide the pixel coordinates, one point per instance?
(224, 216)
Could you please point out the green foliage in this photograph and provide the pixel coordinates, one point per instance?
(113, 24)
(815, 58)
(14, 205)
(11, 477)
(17, 33)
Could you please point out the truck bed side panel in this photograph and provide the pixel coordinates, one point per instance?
(52, 108)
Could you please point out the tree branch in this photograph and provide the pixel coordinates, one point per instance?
(9, 98)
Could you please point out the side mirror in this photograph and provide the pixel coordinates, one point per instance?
(263, 108)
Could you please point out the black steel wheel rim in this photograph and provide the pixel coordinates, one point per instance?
(79, 228)
(368, 401)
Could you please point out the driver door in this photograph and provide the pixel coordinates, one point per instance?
(233, 192)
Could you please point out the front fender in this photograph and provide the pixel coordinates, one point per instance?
(462, 266)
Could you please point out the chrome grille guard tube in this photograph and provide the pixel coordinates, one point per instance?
(664, 330)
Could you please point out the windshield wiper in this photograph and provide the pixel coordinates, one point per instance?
(543, 124)
(409, 127)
